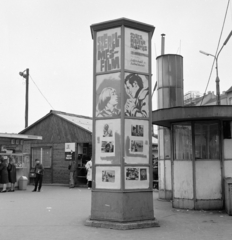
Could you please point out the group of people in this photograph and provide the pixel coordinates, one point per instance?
(72, 174)
(7, 173)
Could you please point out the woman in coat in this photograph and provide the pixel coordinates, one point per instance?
(12, 174)
(88, 167)
(4, 174)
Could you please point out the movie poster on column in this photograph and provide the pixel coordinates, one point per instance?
(137, 96)
(108, 96)
(136, 141)
(136, 50)
(108, 141)
(108, 177)
(108, 50)
(136, 177)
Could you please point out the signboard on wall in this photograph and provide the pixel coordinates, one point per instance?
(69, 151)
(136, 50)
(108, 50)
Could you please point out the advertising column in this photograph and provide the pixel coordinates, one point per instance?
(122, 162)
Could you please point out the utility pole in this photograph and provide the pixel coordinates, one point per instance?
(26, 76)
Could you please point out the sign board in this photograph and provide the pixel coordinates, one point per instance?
(69, 151)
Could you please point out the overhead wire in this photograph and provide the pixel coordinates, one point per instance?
(41, 92)
(216, 50)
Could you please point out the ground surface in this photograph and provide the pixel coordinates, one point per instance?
(59, 213)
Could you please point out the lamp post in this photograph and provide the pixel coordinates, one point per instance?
(26, 76)
(216, 59)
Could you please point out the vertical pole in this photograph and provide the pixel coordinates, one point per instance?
(217, 84)
(27, 93)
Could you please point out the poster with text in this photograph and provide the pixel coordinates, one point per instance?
(136, 50)
(108, 96)
(108, 50)
(136, 141)
(69, 151)
(107, 141)
(136, 94)
(108, 177)
(136, 177)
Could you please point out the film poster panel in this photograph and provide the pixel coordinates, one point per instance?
(107, 141)
(108, 50)
(136, 177)
(136, 50)
(108, 96)
(136, 141)
(136, 95)
(108, 177)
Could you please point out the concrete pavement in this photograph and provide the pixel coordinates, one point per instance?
(59, 213)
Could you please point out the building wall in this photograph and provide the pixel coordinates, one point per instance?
(55, 132)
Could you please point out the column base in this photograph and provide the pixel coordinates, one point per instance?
(122, 225)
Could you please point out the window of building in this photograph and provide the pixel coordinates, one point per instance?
(206, 140)
(182, 141)
(230, 101)
(44, 154)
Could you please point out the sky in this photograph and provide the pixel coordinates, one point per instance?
(52, 38)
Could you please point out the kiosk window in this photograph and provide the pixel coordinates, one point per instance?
(44, 154)
(206, 140)
(182, 141)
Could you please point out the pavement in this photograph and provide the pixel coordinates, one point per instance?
(59, 213)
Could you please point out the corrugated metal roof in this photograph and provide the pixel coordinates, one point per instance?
(80, 121)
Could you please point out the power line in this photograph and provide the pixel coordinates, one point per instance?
(216, 50)
(41, 93)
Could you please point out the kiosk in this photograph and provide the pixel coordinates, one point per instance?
(12, 145)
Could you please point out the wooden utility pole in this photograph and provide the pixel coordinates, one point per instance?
(26, 76)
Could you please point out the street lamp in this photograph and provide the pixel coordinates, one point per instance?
(26, 76)
(216, 59)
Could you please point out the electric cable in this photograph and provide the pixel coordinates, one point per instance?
(41, 92)
(216, 50)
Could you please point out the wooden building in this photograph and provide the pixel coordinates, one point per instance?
(60, 129)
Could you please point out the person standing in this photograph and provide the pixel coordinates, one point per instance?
(38, 175)
(12, 174)
(4, 174)
(72, 174)
(88, 167)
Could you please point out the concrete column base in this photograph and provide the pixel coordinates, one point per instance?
(122, 206)
(122, 226)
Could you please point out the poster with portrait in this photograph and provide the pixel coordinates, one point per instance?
(108, 50)
(108, 96)
(136, 141)
(108, 177)
(136, 177)
(70, 151)
(137, 96)
(107, 141)
(136, 50)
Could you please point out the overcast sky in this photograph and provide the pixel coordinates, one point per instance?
(52, 38)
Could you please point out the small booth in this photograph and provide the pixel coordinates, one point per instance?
(12, 146)
(200, 153)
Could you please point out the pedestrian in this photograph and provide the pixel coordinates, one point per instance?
(88, 167)
(4, 173)
(72, 168)
(38, 175)
(12, 174)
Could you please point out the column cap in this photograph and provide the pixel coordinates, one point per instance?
(119, 22)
